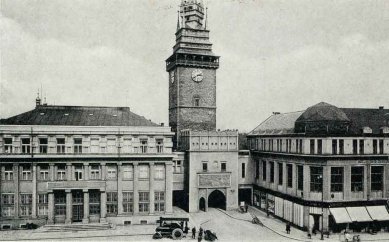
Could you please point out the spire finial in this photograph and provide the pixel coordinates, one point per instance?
(206, 18)
(178, 20)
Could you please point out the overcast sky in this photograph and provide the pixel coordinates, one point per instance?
(275, 55)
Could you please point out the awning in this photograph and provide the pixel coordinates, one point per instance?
(379, 213)
(340, 215)
(359, 214)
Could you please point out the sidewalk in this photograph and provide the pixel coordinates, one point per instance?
(278, 227)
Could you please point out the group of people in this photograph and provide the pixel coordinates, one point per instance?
(200, 236)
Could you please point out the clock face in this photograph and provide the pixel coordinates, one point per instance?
(172, 76)
(197, 75)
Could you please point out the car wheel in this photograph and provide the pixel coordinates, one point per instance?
(177, 234)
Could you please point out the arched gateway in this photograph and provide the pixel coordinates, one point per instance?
(202, 204)
(217, 200)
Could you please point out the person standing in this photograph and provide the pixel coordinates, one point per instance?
(200, 237)
(288, 228)
(194, 232)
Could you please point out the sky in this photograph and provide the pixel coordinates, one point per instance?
(276, 56)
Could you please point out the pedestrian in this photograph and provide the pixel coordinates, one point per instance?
(194, 232)
(309, 235)
(200, 237)
(288, 228)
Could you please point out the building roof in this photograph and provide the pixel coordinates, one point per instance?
(323, 112)
(277, 124)
(364, 117)
(78, 116)
(354, 121)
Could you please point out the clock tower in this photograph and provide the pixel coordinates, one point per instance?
(192, 73)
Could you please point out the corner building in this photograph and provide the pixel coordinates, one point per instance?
(66, 164)
(325, 168)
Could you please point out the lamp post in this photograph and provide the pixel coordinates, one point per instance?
(322, 203)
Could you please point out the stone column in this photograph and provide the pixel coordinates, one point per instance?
(34, 195)
(85, 219)
(103, 208)
(69, 206)
(103, 171)
(169, 188)
(52, 172)
(120, 187)
(16, 187)
(69, 173)
(86, 171)
(50, 213)
(151, 188)
(135, 189)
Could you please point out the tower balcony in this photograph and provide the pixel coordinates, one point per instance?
(192, 63)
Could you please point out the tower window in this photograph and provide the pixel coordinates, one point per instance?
(196, 101)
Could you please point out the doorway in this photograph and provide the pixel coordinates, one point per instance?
(202, 204)
(217, 200)
(78, 206)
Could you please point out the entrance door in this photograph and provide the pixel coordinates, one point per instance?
(202, 204)
(217, 200)
(78, 206)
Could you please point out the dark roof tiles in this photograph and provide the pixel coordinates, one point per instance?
(78, 116)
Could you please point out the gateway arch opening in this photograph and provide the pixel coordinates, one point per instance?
(217, 200)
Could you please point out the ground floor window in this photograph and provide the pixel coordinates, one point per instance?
(94, 203)
(159, 205)
(357, 173)
(128, 202)
(377, 175)
(144, 202)
(112, 202)
(42, 204)
(7, 211)
(25, 204)
(60, 203)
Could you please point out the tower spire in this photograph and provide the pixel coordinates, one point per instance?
(178, 20)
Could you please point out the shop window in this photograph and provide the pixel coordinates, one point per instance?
(357, 174)
(316, 178)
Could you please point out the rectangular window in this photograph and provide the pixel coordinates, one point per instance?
(8, 173)
(78, 173)
(355, 146)
(25, 173)
(289, 168)
(280, 173)
(337, 179)
(264, 172)
(297, 145)
(300, 178)
(61, 172)
(271, 171)
(44, 172)
(112, 203)
(381, 145)
(143, 146)
(223, 166)
(111, 145)
(94, 202)
(375, 147)
(377, 178)
(8, 145)
(316, 178)
(177, 166)
(312, 146)
(159, 145)
(143, 172)
(26, 145)
(361, 147)
(94, 172)
(256, 169)
(144, 202)
(159, 204)
(60, 203)
(334, 146)
(43, 143)
(243, 170)
(128, 172)
(43, 202)
(128, 202)
(205, 166)
(341, 147)
(320, 146)
(357, 174)
(60, 145)
(7, 205)
(77, 147)
(301, 146)
(159, 173)
(111, 172)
